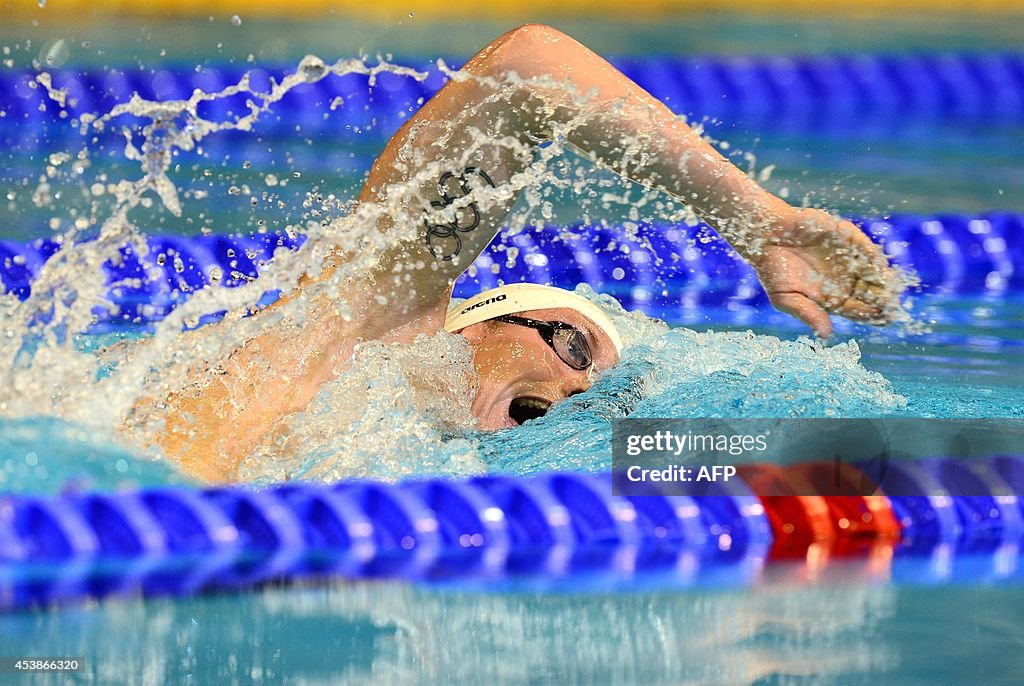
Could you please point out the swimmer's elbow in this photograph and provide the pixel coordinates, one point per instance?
(536, 35)
(526, 49)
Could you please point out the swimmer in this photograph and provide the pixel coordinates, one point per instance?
(532, 346)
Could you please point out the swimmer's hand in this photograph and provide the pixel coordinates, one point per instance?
(815, 264)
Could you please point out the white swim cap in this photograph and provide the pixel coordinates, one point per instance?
(520, 297)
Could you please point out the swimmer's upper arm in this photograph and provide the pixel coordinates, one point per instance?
(446, 180)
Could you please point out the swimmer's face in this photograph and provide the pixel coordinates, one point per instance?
(521, 376)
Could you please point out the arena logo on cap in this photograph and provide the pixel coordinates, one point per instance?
(489, 301)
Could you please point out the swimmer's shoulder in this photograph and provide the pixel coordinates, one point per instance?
(405, 326)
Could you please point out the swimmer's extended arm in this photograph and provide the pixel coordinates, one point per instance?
(469, 149)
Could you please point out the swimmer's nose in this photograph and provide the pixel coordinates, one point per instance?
(569, 383)
(574, 387)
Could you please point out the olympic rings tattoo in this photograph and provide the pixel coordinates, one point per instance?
(443, 240)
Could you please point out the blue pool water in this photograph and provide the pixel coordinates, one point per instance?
(851, 626)
(842, 629)
(677, 372)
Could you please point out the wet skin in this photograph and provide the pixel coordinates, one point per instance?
(520, 376)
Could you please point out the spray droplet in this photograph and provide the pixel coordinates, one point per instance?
(42, 3)
(54, 54)
(236, 20)
(312, 68)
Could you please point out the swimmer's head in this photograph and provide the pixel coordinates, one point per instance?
(532, 346)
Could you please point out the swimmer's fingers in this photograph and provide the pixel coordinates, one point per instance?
(817, 317)
(874, 298)
(860, 311)
(806, 310)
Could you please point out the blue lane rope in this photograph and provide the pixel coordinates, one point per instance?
(180, 540)
(821, 88)
(684, 269)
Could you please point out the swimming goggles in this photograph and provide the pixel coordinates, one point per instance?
(568, 342)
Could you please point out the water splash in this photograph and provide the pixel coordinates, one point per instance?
(72, 282)
(46, 373)
(414, 424)
(412, 415)
(685, 374)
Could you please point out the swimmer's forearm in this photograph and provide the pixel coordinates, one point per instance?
(630, 131)
(480, 131)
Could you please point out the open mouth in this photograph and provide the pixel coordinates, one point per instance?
(524, 408)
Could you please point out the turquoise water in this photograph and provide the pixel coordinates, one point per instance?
(970, 365)
(849, 627)
(843, 630)
(370, 634)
